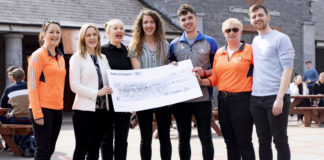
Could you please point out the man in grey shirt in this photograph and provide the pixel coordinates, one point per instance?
(200, 49)
(273, 57)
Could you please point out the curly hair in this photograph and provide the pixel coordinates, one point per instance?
(138, 33)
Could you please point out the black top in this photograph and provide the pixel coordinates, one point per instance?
(100, 99)
(318, 88)
(300, 89)
(117, 59)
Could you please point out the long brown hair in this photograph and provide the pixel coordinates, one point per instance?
(44, 29)
(138, 33)
(81, 43)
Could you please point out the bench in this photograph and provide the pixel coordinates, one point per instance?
(7, 131)
(311, 113)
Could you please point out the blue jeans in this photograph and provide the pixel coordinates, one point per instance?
(237, 124)
(183, 114)
(269, 126)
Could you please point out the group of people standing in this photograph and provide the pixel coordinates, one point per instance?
(268, 62)
(311, 83)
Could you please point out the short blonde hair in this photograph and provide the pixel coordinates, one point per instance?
(232, 21)
(109, 23)
(82, 46)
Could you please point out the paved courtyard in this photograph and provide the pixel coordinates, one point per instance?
(306, 143)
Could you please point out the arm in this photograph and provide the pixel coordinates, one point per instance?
(167, 52)
(75, 79)
(286, 55)
(313, 80)
(35, 68)
(134, 60)
(172, 57)
(211, 79)
(285, 79)
(4, 100)
(135, 63)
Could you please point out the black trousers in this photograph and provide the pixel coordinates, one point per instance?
(46, 135)
(163, 120)
(269, 126)
(183, 114)
(116, 127)
(88, 130)
(237, 124)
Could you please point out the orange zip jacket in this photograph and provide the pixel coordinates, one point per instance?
(234, 75)
(46, 78)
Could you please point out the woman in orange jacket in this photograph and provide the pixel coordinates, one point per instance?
(46, 78)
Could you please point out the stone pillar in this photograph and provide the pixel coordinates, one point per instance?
(13, 51)
(308, 43)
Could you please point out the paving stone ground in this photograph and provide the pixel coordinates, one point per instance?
(306, 143)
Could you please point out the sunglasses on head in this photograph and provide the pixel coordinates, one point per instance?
(229, 30)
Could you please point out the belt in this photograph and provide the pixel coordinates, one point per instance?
(231, 94)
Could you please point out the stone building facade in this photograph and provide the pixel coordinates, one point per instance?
(289, 16)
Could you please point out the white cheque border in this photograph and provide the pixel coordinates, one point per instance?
(136, 90)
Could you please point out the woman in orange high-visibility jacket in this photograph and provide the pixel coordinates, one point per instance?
(46, 78)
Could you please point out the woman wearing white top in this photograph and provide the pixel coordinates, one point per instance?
(88, 79)
(298, 87)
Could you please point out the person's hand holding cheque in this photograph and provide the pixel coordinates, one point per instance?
(200, 73)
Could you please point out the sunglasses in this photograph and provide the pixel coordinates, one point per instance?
(229, 30)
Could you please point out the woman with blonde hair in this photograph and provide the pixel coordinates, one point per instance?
(46, 78)
(89, 81)
(150, 49)
(118, 122)
(232, 74)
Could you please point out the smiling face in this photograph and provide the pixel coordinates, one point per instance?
(149, 25)
(259, 19)
(116, 32)
(52, 35)
(188, 22)
(232, 33)
(91, 38)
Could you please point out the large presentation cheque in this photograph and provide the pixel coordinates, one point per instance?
(142, 89)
